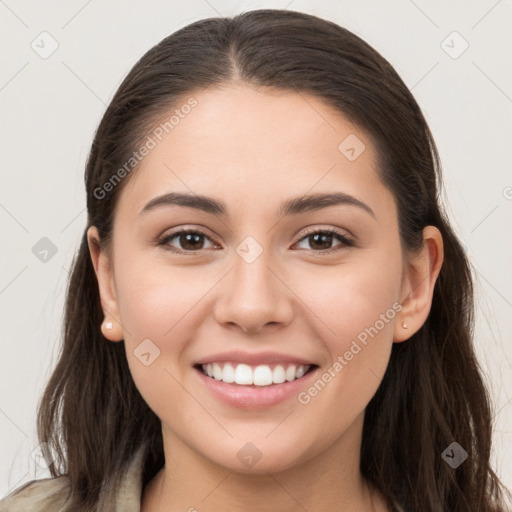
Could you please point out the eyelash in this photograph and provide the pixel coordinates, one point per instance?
(345, 240)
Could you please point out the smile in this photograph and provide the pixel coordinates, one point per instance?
(249, 395)
(257, 375)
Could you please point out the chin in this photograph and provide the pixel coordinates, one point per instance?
(260, 458)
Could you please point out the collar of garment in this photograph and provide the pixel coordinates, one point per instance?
(52, 494)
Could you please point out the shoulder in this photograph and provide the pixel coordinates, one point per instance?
(48, 494)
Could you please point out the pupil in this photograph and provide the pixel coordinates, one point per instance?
(323, 237)
(190, 239)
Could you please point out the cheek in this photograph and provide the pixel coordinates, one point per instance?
(154, 298)
(153, 308)
(154, 311)
(356, 297)
(158, 305)
(357, 307)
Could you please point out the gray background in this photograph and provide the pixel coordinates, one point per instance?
(51, 107)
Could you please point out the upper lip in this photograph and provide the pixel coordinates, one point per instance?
(252, 359)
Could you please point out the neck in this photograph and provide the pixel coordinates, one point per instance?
(330, 480)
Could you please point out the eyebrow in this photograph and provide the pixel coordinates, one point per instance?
(293, 206)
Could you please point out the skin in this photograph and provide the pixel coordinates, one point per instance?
(254, 149)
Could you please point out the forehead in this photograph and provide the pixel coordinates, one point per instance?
(251, 145)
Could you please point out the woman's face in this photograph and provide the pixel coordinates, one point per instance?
(259, 286)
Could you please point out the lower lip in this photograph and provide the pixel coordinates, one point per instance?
(255, 397)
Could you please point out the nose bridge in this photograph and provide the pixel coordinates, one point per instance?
(253, 296)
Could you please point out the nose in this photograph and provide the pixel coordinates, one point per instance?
(254, 296)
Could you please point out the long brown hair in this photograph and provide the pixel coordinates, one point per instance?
(432, 394)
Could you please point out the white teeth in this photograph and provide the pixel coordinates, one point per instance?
(278, 375)
(243, 374)
(290, 373)
(228, 374)
(300, 372)
(261, 375)
(217, 371)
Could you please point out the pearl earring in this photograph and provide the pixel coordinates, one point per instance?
(108, 325)
(404, 325)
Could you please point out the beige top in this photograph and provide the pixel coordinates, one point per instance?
(51, 494)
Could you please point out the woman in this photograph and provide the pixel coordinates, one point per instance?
(295, 311)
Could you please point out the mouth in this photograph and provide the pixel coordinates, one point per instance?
(254, 376)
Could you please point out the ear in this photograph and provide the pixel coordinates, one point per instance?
(103, 269)
(420, 275)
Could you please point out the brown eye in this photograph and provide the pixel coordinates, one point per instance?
(188, 240)
(321, 240)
